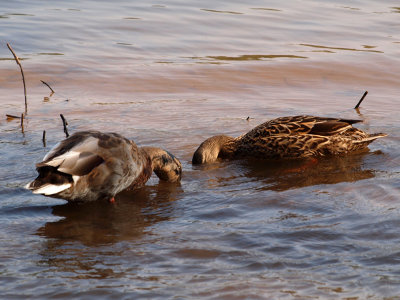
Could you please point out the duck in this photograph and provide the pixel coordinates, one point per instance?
(92, 165)
(289, 137)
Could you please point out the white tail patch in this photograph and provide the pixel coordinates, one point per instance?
(28, 185)
(50, 189)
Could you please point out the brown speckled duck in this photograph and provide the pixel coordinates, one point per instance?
(288, 137)
(91, 165)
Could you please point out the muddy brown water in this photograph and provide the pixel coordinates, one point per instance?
(172, 73)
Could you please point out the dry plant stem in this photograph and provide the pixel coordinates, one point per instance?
(45, 83)
(22, 122)
(65, 125)
(23, 76)
(12, 116)
(44, 138)
(361, 100)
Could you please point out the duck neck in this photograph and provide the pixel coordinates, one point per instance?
(217, 146)
(166, 166)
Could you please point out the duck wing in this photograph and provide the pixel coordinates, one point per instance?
(65, 163)
(77, 155)
(299, 125)
(74, 163)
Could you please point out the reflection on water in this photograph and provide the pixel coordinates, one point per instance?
(264, 8)
(344, 49)
(330, 170)
(70, 241)
(222, 11)
(288, 174)
(103, 223)
(254, 57)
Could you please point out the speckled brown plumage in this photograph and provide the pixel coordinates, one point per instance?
(91, 165)
(289, 137)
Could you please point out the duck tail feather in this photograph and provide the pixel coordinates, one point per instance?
(48, 188)
(372, 137)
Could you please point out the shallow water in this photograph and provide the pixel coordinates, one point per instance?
(172, 73)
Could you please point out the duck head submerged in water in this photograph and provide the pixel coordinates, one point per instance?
(288, 137)
(91, 165)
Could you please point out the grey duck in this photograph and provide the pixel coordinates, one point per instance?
(91, 165)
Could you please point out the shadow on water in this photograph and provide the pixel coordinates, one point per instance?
(99, 223)
(292, 174)
(82, 245)
(331, 170)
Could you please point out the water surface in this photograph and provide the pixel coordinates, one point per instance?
(172, 73)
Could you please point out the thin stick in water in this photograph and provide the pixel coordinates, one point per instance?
(9, 117)
(65, 123)
(22, 122)
(44, 138)
(45, 83)
(361, 100)
(23, 76)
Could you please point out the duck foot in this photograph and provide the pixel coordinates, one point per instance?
(307, 164)
(112, 200)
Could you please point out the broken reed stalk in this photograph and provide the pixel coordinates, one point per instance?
(23, 76)
(45, 83)
(65, 123)
(22, 122)
(12, 117)
(361, 100)
(44, 138)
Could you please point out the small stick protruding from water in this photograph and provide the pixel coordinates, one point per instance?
(44, 138)
(10, 117)
(46, 84)
(361, 100)
(22, 73)
(65, 123)
(22, 122)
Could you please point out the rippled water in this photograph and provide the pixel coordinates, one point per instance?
(172, 73)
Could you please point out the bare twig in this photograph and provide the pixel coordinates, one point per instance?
(44, 138)
(361, 100)
(65, 123)
(12, 117)
(22, 122)
(45, 83)
(22, 73)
